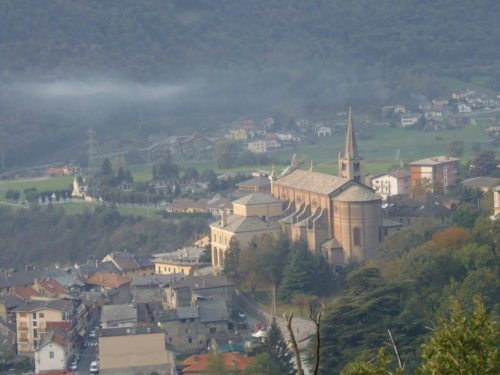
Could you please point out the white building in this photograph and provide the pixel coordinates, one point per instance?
(257, 147)
(409, 119)
(53, 353)
(323, 131)
(397, 182)
(464, 108)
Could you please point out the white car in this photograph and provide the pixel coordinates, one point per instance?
(73, 366)
(92, 334)
(94, 367)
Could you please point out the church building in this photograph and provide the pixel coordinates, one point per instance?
(338, 216)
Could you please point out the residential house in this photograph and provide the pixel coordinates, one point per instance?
(27, 278)
(130, 265)
(51, 289)
(199, 364)
(118, 316)
(323, 131)
(218, 204)
(134, 351)
(189, 329)
(116, 288)
(258, 146)
(395, 182)
(35, 318)
(149, 289)
(258, 183)
(464, 108)
(188, 205)
(183, 261)
(238, 134)
(409, 119)
(7, 304)
(53, 353)
(437, 172)
(182, 293)
(410, 211)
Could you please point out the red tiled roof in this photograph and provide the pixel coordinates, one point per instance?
(107, 280)
(198, 364)
(65, 326)
(24, 293)
(53, 286)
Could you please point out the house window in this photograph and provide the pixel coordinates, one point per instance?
(41, 315)
(34, 315)
(22, 315)
(356, 234)
(35, 332)
(213, 330)
(190, 340)
(34, 324)
(51, 355)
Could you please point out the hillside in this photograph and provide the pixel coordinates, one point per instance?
(141, 67)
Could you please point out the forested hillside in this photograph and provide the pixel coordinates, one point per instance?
(175, 66)
(47, 236)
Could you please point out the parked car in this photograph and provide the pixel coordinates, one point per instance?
(73, 365)
(92, 334)
(94, 367)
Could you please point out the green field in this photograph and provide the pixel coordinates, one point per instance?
(379, 152)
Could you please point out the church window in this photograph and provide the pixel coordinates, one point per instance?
(356, 166)
(356, 234)
(343, 166)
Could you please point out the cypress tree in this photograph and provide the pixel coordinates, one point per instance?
(298, 274)
(277, 349)
(231, 260)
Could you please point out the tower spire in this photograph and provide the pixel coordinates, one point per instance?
(351, 146)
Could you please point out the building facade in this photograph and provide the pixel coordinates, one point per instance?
(396, 182)
(435, 173)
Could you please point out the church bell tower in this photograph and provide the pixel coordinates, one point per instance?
(351, 165)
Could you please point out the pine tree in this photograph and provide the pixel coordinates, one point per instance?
(231, 260)
(277, 349)
(298, 273)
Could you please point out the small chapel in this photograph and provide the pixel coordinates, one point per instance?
(337, 216)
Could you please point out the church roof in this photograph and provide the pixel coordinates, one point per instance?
(311, 181)
(256, 198)
(358, 193)
(240, 224)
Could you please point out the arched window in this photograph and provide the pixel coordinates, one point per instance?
(356, 236)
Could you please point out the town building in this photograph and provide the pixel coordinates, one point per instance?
(118, 316)
(53, 353)
(131, 351)
(259, 183)
(35, 318)
(434, 174)
(396, 182)
(183, 261)
(130, 265)
(252, 217)
(258, 146)
(409, 119)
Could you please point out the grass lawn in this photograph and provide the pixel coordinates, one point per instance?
(42, 184)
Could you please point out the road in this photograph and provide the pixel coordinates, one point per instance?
(87, 355)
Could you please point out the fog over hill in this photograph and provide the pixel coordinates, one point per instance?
(175, 66)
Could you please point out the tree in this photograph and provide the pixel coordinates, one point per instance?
(166, 169)
(381, 366)
(225, 153)
(231, 259)
(456, 147)
(277, 349)
(106, 168)
(216, 364)
(484, 164)
(298, 273)
(465, 216)
(263, 365)
(463, 344)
